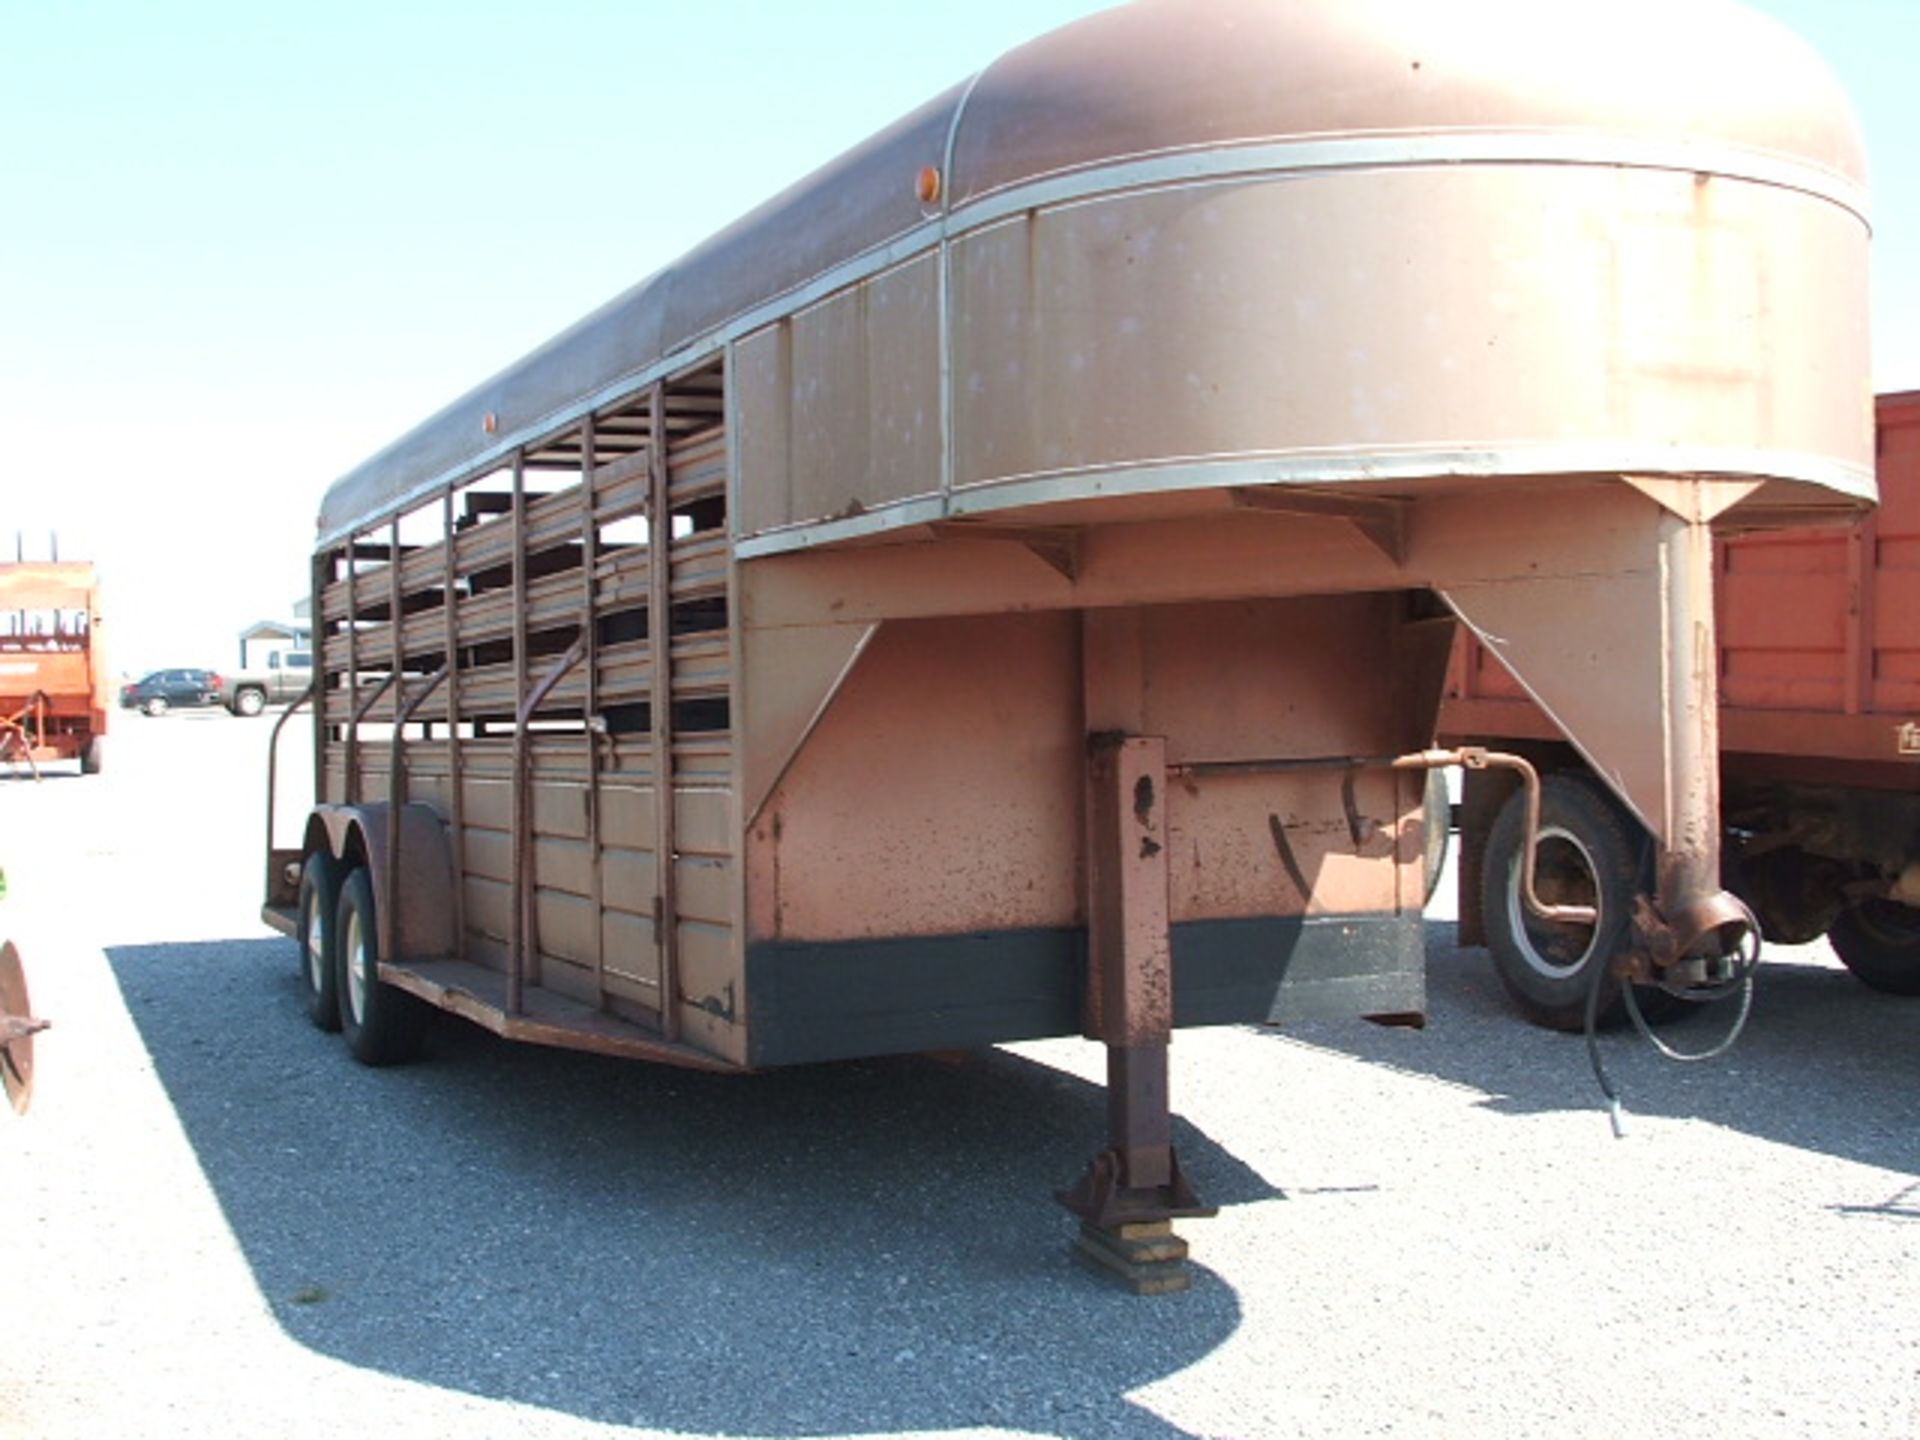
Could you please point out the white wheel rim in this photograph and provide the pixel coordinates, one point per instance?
(316, 950)
(356, 969)
(1527, 928)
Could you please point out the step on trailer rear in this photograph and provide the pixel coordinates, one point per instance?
(1002, 587)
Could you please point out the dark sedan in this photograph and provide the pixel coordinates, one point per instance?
(165, 690)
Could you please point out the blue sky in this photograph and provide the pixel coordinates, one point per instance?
(245, 245)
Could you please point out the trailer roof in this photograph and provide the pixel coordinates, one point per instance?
(1674, 83)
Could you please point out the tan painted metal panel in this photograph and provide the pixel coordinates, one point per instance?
(704, 889)
(788, 677)
(903, 381)
(703, 822)
(713, 1012)
(1269, 678)
(627, 879)
(489, 906)
(1224, 854)
(1532, 318)
(562, 976)
(1227, 554)
(631, 952)
(829, 472)
(568, 929)
(762, 377)
(940, 793)
(840, 405)
(626, 816)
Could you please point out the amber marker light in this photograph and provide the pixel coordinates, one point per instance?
(490, 422)
(927, 184)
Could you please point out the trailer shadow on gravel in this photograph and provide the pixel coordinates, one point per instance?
(867, 1247)
(1824, 1064)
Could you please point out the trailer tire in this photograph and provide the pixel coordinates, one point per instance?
(382, 1025)
(318, 932)
(1591, 852)
(94, 756)
(1879, 941)
(249, 701)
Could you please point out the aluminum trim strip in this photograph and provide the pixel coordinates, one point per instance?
(1319, 468)
(895, 516)
(1491, 147)
(1307, 467)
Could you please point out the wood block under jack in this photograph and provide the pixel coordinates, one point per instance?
(1147, 1258)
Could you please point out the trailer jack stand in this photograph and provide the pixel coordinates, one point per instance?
(1126, 1231)
(1133, 1190)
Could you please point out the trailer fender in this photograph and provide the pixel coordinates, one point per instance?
(357, 835)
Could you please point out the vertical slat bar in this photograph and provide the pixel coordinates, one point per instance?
(737, 692)
(317, 640)
(387, 917)
(521, 876)
(456, 801)
(666, 910)
(590, 633)
(353, 668)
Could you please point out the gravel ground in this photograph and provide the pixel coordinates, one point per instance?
(218, 1225)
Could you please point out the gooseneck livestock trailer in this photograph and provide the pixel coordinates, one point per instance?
(1003, 586)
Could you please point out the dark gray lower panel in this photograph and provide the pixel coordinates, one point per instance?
(839, 1000)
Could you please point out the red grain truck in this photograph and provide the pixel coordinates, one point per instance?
(1819, 682)
(53, 688)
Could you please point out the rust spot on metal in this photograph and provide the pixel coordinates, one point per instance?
(1143, 800)
(1148, 847)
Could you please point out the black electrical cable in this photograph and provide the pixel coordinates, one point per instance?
(1740, 982)
(1616, 1111)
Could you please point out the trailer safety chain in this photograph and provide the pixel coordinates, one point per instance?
(1740, 983)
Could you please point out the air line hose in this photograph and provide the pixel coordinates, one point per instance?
(1740, 983)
